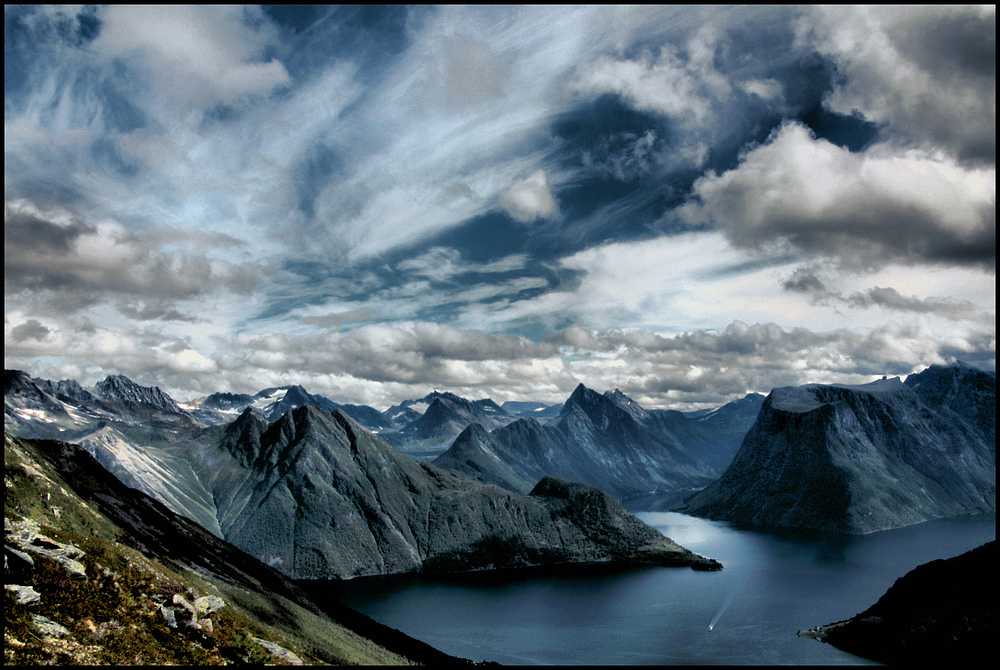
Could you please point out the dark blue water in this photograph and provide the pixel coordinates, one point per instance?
(773, 585)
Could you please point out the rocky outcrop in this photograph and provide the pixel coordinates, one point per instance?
(935, 614)
(858, 459)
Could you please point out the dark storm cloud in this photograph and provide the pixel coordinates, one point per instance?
(153, 310)
(927, 73)
(27, 233)
(806, 281)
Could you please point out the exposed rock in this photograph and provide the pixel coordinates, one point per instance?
(26, 595)
(161, 547)
(26, 535)
(49, 627)
(169, 615)
(122, 390)
(208, 604)
(935, 614)
(278, 651)
(858, 459)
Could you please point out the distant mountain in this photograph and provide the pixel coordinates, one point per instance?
(123, 391)
(275, 401)
(535, 410)
(316, 495)
(594, 441)
(227, 401)
(711, 436)
(858, 459)
(445, 417)
(935, 614)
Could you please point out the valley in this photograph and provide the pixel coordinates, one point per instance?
(301, 485)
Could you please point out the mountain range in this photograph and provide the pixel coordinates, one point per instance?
(607, 441)
(317, 495)
(858, 459)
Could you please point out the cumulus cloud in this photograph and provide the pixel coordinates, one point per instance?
(865, 209)
(530, 199)
(31, 329)
(928, 73)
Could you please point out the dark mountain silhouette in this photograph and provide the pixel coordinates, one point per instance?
(934, 614)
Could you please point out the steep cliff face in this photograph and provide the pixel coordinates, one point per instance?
(855, 459)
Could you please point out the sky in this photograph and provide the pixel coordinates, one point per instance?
(686, 203)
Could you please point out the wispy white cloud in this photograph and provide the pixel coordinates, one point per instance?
(197, 54)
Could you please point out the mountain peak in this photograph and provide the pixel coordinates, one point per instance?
(121, 389)
(623, 401)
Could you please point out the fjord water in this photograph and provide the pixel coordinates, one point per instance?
(773, 585)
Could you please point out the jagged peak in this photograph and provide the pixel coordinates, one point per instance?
(474, 431)
(590, 401)
(120, 388)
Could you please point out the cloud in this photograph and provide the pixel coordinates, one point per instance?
(864, 209)
(530, 199)
(927, 73)
(202, 54)
(55, 251)
(664, 84)
(31, 329)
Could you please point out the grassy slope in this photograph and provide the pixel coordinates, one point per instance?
(138, 554)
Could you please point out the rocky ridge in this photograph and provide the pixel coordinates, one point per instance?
(316, 495)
